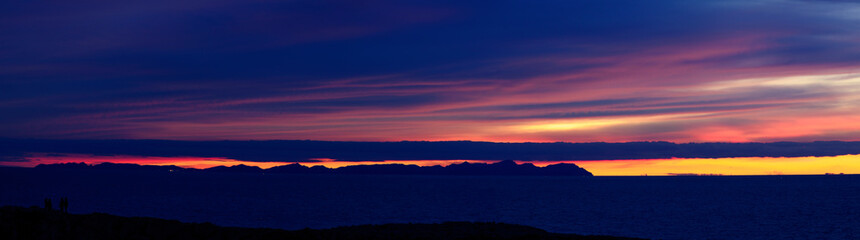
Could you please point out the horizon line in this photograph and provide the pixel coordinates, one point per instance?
(400, 141)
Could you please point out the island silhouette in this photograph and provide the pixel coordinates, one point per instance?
(501, 168)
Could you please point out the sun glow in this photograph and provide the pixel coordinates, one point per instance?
(570, 125)
(589, 124)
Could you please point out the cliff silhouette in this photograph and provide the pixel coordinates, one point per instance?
(37, 223)
(502, 168)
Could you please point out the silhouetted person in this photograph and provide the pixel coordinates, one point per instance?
(48, 203)
(64, 205)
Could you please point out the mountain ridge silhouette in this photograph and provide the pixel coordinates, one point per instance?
(503, 168)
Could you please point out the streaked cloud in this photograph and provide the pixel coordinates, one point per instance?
(577, 71)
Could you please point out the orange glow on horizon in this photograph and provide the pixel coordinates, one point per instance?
(848, 164)
(202, 163)
(422, 163)
(186, 162)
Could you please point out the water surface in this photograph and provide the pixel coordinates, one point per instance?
(729, 207)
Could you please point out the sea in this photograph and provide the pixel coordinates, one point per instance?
(655, 207)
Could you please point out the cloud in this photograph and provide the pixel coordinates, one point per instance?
(447, 70)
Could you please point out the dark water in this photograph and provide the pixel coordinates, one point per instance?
(766, 207)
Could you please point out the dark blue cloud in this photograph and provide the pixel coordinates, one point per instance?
(306, 151)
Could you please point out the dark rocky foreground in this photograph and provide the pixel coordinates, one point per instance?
(38, 223)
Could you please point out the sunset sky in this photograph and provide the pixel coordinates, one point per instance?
(498, 71)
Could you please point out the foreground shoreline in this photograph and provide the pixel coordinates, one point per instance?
(38, 223)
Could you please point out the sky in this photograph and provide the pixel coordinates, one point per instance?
(359, 77)
(503, 71)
